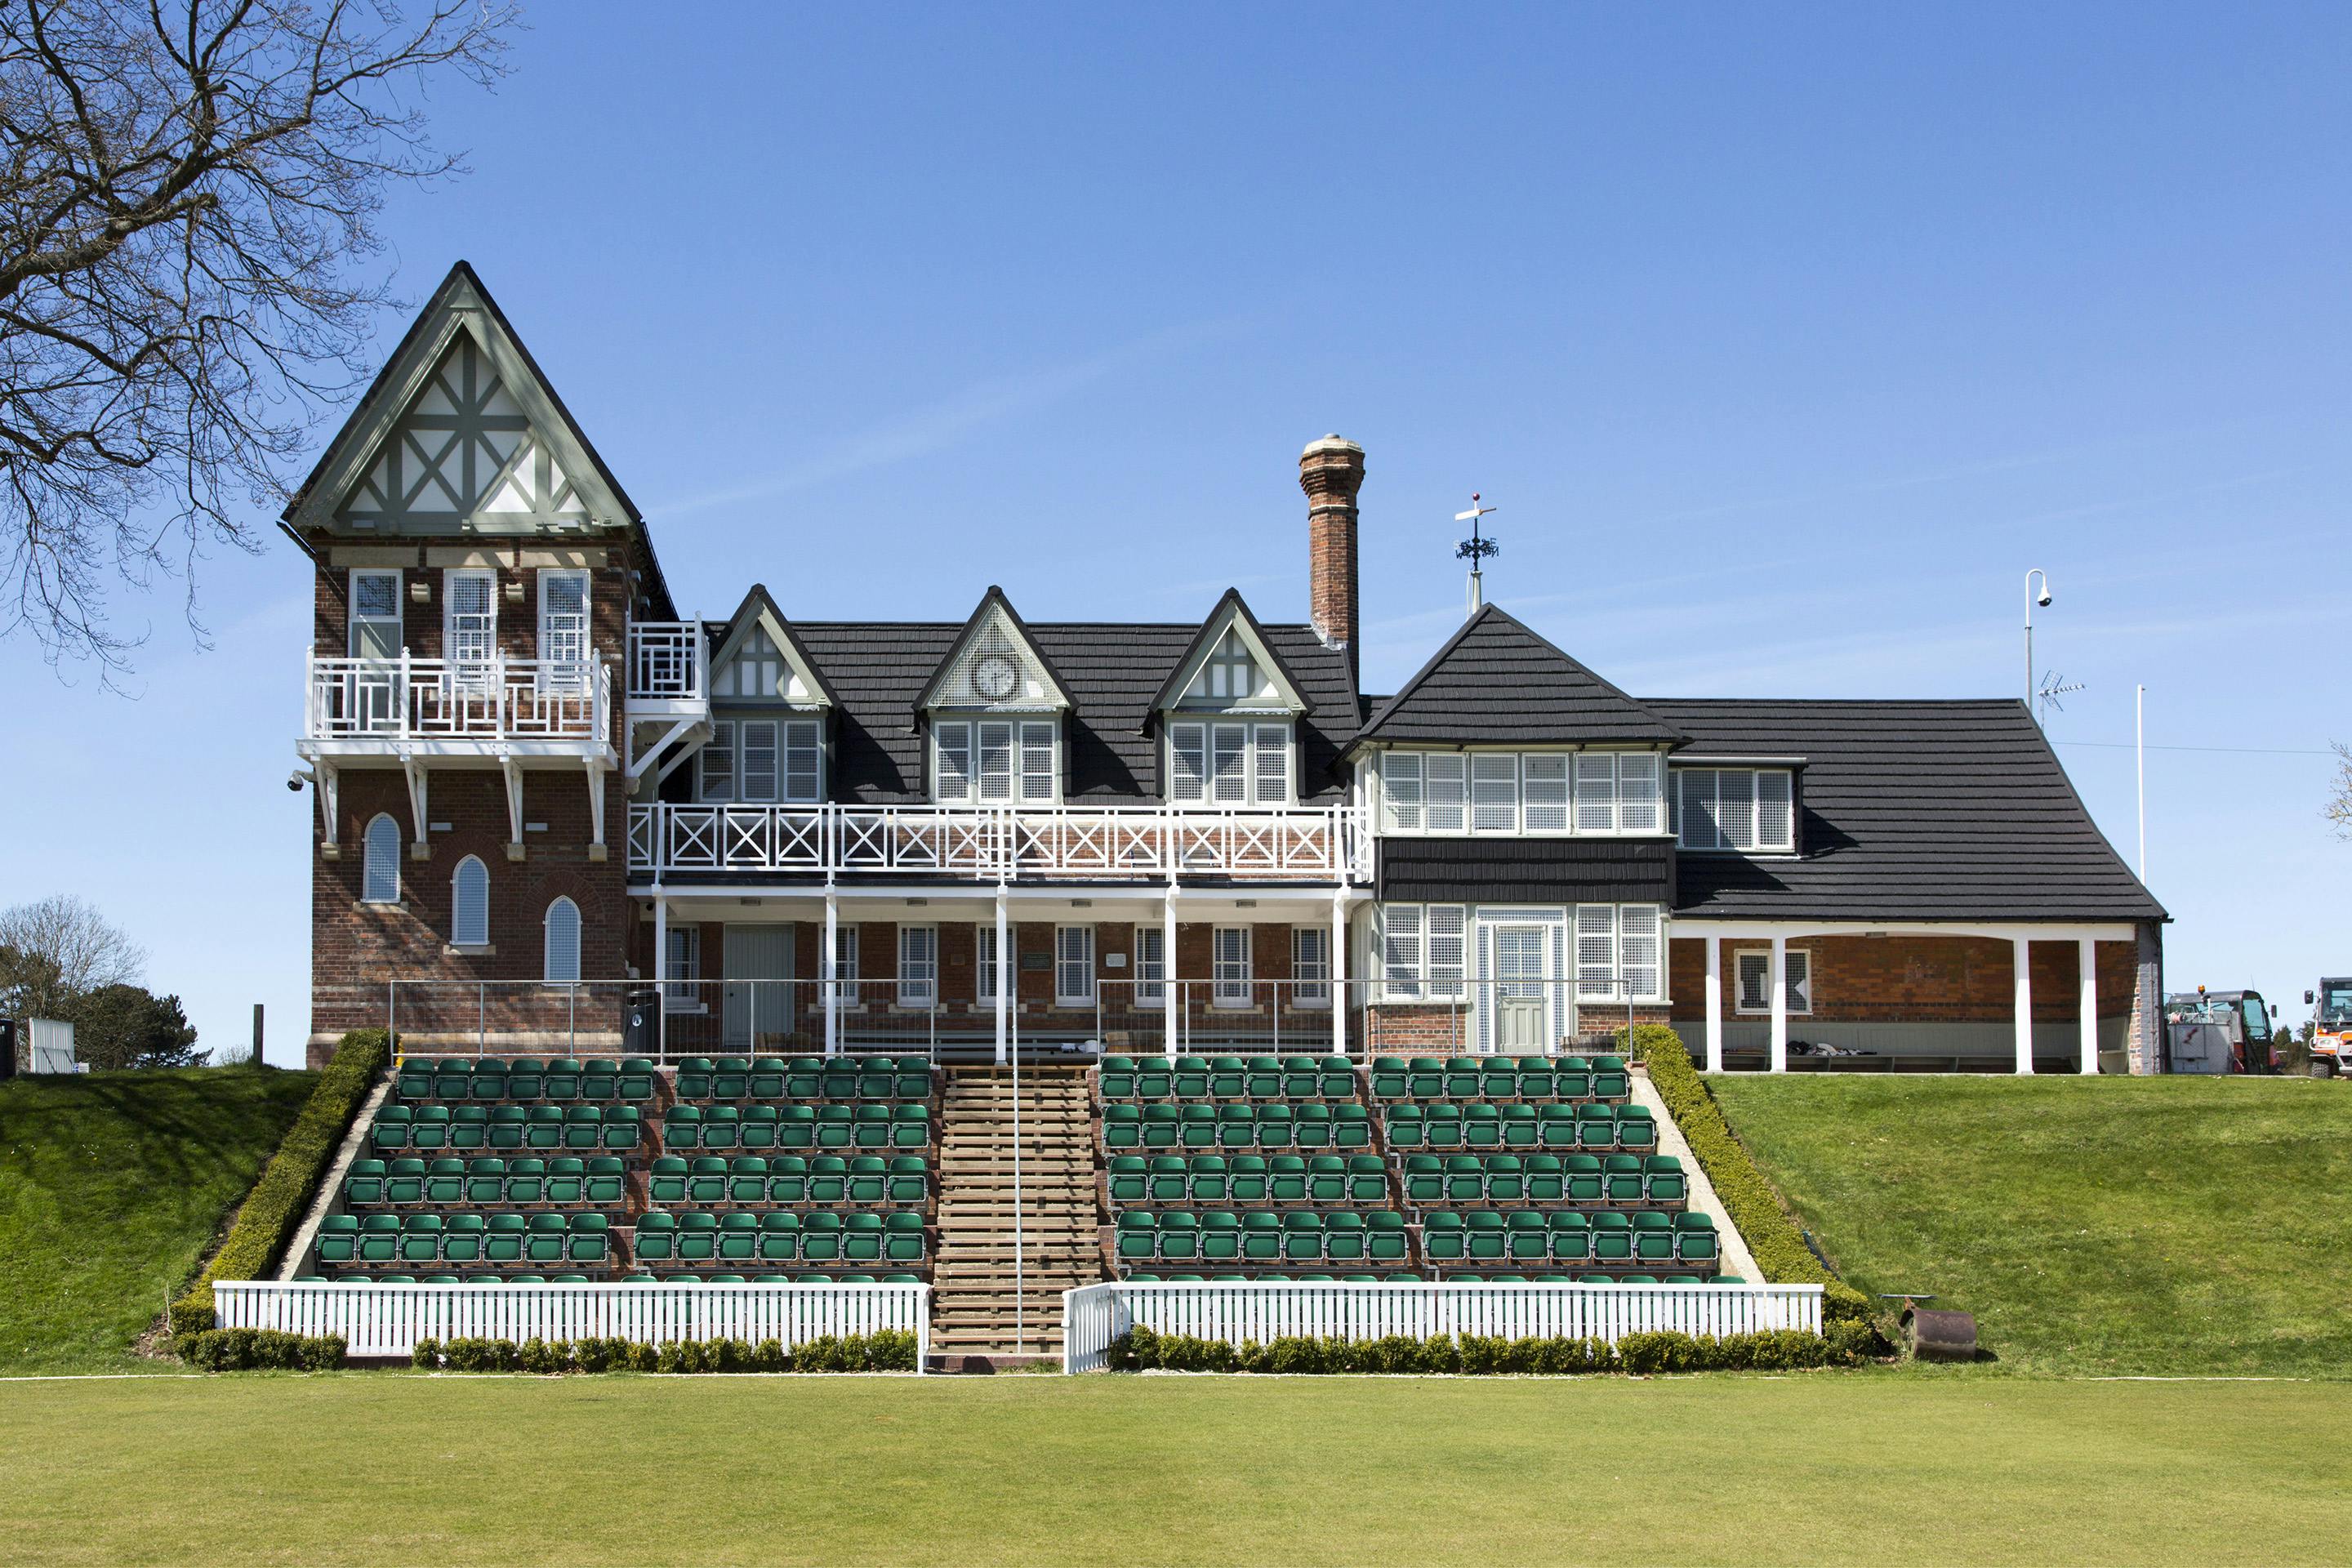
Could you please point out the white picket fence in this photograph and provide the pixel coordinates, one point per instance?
(387, 1319)
(1260, 1310)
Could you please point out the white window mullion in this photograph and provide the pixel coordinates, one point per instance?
(1444, 791)
(1074, 966)
(951, 768)
(918, 965)
(1596, 792)
(996, 762)
(716, 762)
(1188, 764)
(1270, 768)
(1229, 968)
(1229, 763)
(1040, 781)
(759, 769)
(1495, 793)
(1596, 951)
(1401, 790)
(985, 960)
(1400, 955)
(803, 761)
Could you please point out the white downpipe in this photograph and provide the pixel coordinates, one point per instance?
(1339, 976)
(1004, 972)
(1168, 973)
(1778, 980)
(2022, 960)
(661, 974)
(1715, 1004)
(828, 967)
(2088, 957)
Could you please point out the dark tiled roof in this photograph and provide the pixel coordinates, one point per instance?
(879, 670)
(1494, 682)
(1913, 811)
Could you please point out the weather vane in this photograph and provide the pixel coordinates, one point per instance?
(1476, 550)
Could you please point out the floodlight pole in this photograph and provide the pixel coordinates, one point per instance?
(2140, 770)
(2030, 577)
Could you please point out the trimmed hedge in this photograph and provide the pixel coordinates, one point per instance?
(275, 1207)
(888, 1350)
(1141, 1349)
(1748, 1196)
(242, 1350)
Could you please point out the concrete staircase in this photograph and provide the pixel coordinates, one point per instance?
(975, 1310)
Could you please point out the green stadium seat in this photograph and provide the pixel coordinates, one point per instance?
(722, 1126)
(452, 1076)
(461, 1239)
(414, 1079)
(869, 1179)
(1122, 1127)
(1528, 1237)
(1388, 1078)
(1228, 1077)
(1221, 1237)
(779, 1236)
(913, 1080)
(803, 1078)
(1596, 1128)
(543, 1128)
(1544, 1184)
(485, 1181)
(730, 1077)
(1208, 1181)
(1636, 1128)
(788, 1177)
(1311, 1126)
(526, 1079)
(591, 1239)
(608, 1184)
(911, 1127)
(1386, 1240)
(1277, 1127)
(1465, 1179)
(509, 1130)
(1130, 1179)
(1461, 1076)
(667, 1182)
(747, 1179)
(1499, 1079)
(837, 1078)
(698, 1238)
(758, 1129)
(1571, 1237)
(1441, 1126)
(1586, 1182)
(1326, 1179)
(1179, 1236)
(1261, 1236)
(1521, 1129)
(1663, 1184)
(1612, 1238)
(1535, 1078)
(1302, 1237)
(795, 1127)
(1506, 1179)
(562, 1080)
(1424, 1179)
(739, 1236)
(707, 1180)
(1609, 1078)
(379, 1238)
(1344, 1237)
(1154, 1080)
(821, 1238)
(1286, 1179)
(1115, 1078)
(567, 1181)
(1201, 1125)
(1572, 1079)
(829, 1178)
(1138, 1236)
(638, 1079)
(363, 1184)
(1191, 1078)
(1163, 1127)
(503, 1240)
(902, 1240)
(338, 1239)
(403, 1181)
(543, 1238)
(1621, 1179)
(1695, 1239)
(391, 1128)
(469, 1128)
(445, 1182)
(1336, 1077)
(489, 1080)
(420, 1239)
(1488, 1240)
(1368, 1179)
(428, 1128)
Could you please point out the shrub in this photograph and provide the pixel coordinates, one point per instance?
(426, 1354)
(1642, 1354)
(242, 1350)
(477, 1354)
(273, 1210)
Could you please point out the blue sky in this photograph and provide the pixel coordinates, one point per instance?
(1785, 341)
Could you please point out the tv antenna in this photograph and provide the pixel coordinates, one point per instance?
(2054, 687)
(1476, 550)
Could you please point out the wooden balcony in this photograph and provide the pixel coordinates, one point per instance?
(1061, 843)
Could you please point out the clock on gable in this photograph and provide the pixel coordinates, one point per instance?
(996, 677)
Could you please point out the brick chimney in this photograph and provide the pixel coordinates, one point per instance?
(1331, 471)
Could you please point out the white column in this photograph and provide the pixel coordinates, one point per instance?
(1715, 1004)
(1779, 981)
(2089, 960)
(826, 965)
(1004, 972)
(1339, 975)
(2022, 960)
(1168, 973)
(661, 973)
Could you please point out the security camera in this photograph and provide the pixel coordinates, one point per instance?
(295, 780)
(2044, 601)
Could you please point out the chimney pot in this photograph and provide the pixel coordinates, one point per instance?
(1331, 471)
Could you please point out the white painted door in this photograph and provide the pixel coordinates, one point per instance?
(470, 626)
(755, 1003)
(1521, 1003)
(563, 626)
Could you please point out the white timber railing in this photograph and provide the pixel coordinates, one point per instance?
(378, 1319)
(1258, 1311)
(667, 662)
(497, 699)
(1324, 844)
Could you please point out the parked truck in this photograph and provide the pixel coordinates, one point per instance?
(2220, 1032)
(2331, 1025)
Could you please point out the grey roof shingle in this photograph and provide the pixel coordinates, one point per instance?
(1913, 811)
(1494, 682)
(879, 670)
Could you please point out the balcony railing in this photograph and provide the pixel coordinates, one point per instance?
(667, 662)
(1324, 844)
(497, 699)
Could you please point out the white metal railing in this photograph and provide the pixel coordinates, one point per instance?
(1307, 843)
(497, 699)
(668, 661)
(378, 1319)
(1261, 1310)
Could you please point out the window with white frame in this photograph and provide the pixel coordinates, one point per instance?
(470, 621)
(563, 940)
(1752, 809)
(760, 760)
(380, 861)
(1539, 792)
(1422, 950)
(757, 668)
(983, 961)
(1752, 973)
(918, 966)
(1231, 674)
(469, 900)
(995, 762)
(1228, 763)
(1074, 966)
(1620, 952)
(681, 968)
(563, 616)
(1310, 966)
(844, 961)
(376, 614)
(1150, 964)
(1229, 966)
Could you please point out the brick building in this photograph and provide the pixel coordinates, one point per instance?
(552, 813)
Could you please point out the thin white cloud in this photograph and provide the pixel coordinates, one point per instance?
(942, 423)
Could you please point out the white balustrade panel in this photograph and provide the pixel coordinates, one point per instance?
(387, 1319)
(1261, 1310)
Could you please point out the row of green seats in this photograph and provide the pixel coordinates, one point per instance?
(487, 1181)
(1200, 1181)
(1300, 1077)
(1265, 1276)
(467, 1127)
(1409, 1276)
(779, 1236)
(1262, 1235)
(1499, 1077)
(756, 1179)
(492, 1078)
(466, 1239)
(1567, 1236)
(1631, 1181)
(874, 1126)
(1489, 1277)
(1167, 1126)
(1480, 1125)
(626, 1280)
(805, 1078)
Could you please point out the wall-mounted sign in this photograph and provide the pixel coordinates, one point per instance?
(1037, 960)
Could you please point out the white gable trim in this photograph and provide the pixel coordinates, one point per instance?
(994, 634)
(810, 694)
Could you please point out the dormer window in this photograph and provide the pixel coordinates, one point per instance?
(1229, 763)
(1231, 674)
(1533, 793)
(1752, 810)
(995, 762)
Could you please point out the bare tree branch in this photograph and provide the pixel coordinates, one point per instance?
(187, 194)
(2338, 809)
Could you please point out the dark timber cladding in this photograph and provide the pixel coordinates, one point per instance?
(1527, 870)
(1912, 811)
(1498, 683)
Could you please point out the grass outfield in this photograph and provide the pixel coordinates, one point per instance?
(1102, 1470)
(112, 1187)
(2095, 1226)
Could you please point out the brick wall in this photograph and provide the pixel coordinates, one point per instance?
(1902, 979)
